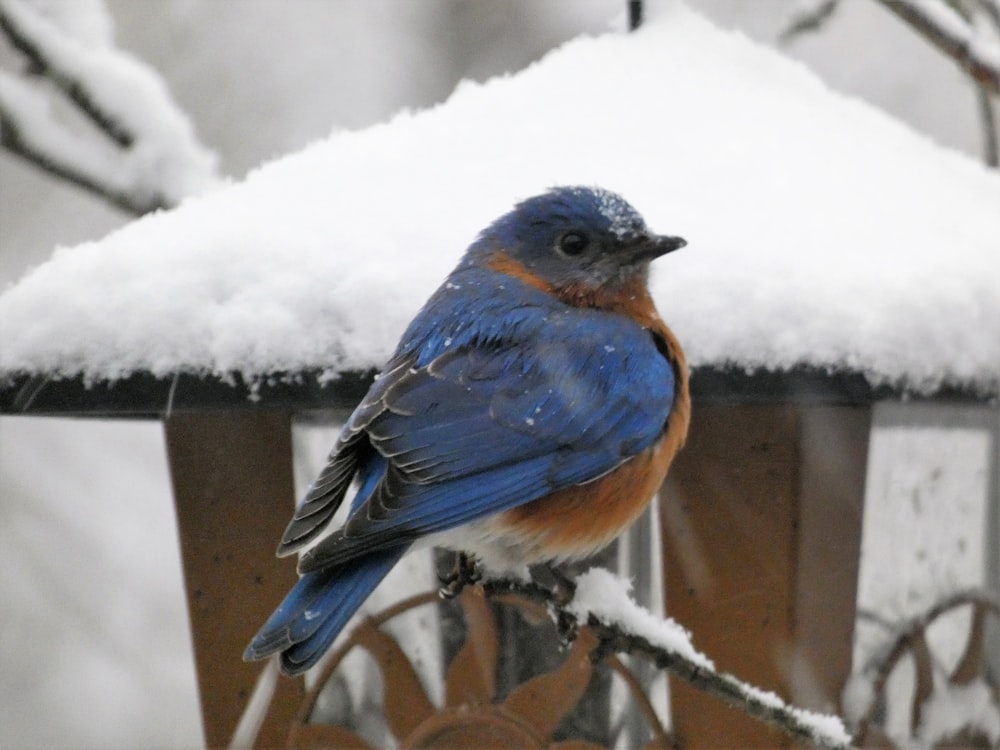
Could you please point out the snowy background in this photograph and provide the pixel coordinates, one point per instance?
(107, 641)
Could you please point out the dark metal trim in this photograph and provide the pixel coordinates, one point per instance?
(143, 395)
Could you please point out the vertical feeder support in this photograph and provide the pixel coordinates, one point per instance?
(233, 491)
(761, 537)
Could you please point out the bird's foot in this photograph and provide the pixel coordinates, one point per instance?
(466, 572)
(562, 587)
(566, 628)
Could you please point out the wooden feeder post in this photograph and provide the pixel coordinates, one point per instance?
(233, 491)
(761, 527)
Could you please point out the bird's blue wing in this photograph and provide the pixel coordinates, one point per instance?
(528, 400)
(457, 315)
(464, 314)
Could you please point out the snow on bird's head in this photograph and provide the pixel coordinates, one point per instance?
(590, 206)
(590, 209)
(623, 220)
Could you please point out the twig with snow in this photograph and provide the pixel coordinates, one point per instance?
(144, 154)
(27, 129)
(603, 602)
(969, 33)
(977, 54)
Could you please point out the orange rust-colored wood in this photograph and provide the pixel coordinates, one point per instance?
(528, 717)
(761, 533)
(409, 705)
(908, 642)
(973, 662)
(924, 663)
(325, 737)
(458, 728)
(471, 678)
(543, 701)
(233, 492)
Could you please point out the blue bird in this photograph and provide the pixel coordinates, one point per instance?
(529, 414)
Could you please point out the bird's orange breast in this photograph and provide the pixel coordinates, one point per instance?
(577, 521)
(629, 297)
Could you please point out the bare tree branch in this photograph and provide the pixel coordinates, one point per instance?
(808, 18)
(634, 14)
(983, 15)
(953, 35)
(14, 138)
(987, 121)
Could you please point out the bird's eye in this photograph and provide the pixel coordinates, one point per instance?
(573, 243)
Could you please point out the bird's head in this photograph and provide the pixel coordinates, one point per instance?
(575, 236)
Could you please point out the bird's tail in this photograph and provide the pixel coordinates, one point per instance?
(317, 609)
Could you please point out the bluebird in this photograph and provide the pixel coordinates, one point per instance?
(528, 415)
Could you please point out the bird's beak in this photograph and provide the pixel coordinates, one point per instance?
(654, 246)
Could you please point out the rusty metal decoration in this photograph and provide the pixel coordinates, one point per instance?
(911, 641)
(472, 714)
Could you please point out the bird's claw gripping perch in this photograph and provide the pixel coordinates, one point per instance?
(466, 572)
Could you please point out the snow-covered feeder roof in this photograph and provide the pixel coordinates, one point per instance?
(822, 233)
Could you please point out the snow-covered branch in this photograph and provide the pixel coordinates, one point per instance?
(603, 602)
(27, 128)
(968, 32)
(140, 152)
(976, 53)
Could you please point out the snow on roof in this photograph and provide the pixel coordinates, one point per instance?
(820, 230)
